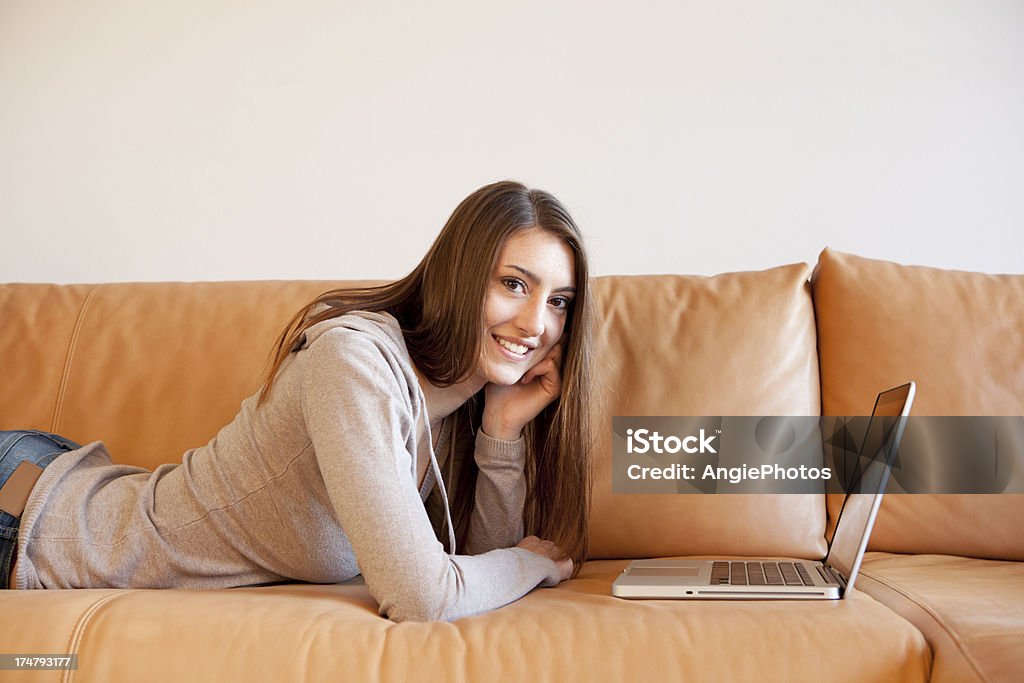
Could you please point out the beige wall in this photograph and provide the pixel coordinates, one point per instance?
(212, 140)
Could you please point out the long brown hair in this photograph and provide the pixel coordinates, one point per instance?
(439, 306)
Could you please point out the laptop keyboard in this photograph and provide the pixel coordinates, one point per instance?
(759, 574)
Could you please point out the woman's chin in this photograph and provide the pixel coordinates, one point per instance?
(506, 376)
(508, 380)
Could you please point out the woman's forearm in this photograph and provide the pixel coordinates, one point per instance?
(497, 518)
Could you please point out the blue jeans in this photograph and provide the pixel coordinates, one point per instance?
(40, 448)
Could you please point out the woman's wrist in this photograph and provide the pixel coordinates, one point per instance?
(495, 429)
(502, 434)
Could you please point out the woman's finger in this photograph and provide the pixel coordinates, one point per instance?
(545, 367)
(556, 354)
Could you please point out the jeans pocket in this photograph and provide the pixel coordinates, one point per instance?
(59, 440)
(30, 445)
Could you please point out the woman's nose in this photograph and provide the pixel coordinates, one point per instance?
(531, 318)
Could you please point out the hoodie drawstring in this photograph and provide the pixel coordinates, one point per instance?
(439, 478)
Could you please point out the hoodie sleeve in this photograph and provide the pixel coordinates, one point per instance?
(497, 519)
(355, 401)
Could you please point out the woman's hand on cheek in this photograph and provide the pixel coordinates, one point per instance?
(507, 409)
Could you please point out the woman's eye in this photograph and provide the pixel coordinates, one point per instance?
(560, 302)
(513, 283)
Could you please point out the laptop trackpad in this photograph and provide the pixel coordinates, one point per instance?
(664, 571)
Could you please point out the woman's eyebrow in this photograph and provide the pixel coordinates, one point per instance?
(534, 279)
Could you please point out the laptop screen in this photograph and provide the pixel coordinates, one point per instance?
(885, 428)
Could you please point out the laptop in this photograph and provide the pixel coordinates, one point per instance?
(763, 579)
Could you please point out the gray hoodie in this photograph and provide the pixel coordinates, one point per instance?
(317, 485)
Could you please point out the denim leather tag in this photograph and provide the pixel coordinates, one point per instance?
(15, 492)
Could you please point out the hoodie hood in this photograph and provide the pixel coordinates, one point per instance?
(381, 326)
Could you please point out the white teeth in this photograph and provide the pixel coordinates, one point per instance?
(514, 348)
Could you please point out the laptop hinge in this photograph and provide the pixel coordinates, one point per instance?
(836, 575)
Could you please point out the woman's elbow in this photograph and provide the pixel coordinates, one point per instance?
(419, 608)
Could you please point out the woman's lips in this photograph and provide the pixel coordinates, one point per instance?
(509, 353)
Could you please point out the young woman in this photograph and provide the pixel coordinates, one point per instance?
(452, 404)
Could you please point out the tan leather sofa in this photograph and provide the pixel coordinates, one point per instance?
(155, 369)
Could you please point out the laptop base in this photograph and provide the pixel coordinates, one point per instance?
(754, 579)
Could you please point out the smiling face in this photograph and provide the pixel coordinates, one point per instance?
(526, 305)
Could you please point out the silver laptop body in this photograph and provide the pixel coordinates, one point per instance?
(773, 579)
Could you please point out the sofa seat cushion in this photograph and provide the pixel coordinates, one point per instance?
(970, 610)
(576, 631)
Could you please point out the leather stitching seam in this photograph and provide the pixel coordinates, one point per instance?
(72, 344)
(82, 623)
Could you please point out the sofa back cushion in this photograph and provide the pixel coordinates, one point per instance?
(733, 344)
(150, 369)
(960, 336)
